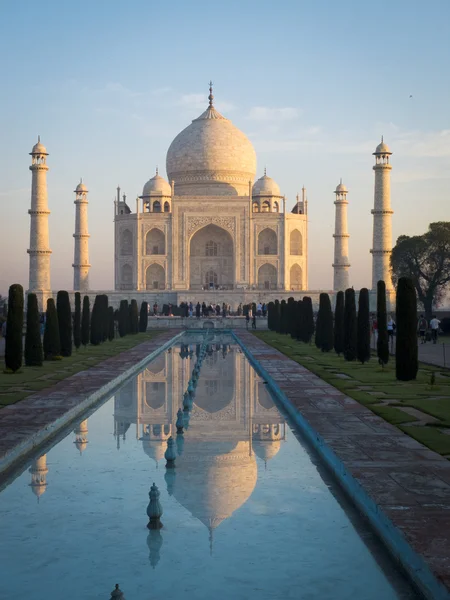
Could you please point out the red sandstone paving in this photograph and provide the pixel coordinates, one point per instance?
(26, 418)
(409, 482)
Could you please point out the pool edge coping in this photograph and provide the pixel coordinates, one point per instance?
(399, 548)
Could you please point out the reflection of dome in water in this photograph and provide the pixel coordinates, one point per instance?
(266, 450)
(264, 397)
(212, 482)
(154, 449)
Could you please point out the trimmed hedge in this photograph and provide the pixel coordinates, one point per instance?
(143, 317)
(85, 321)
(77, 321)
(34, 354)
(406, 350)
(363, 327)
(383, 338)
(52, 344)
(64, 322)
(350, 325)
(14, 327)
(339, 324)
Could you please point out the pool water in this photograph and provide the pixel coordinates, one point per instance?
(248, 512)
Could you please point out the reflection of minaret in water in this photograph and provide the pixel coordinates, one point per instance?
(81, 432)
(39, 472)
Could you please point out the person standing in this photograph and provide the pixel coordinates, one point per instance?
(155, 309)
(422, 327)
(434, 326)
(254, 322)
(391, 329)
(198, 309)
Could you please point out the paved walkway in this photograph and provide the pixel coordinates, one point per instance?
(409, 483)
(434, 354)
(28, 418)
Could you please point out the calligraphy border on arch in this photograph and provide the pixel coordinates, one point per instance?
(194, 224)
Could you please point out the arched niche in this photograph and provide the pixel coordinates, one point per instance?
(255, 206)
(127, 275)
(157, 206)
(126, 243)
(155, 277)
(267, 277)
(295, 246)
(267, 242)
(166, 206)
(296, 277)
(155, 394)
(211, 258)
(155, 242)
(275, 207)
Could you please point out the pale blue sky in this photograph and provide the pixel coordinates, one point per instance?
(109, 84)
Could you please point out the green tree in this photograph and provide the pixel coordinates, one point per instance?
(283, 317)
(34, 354)
(85, 321)
(406, 351)
(382, 339)
(308, 319)
(339, 324)
(134, 317)
(64, 322)
(363, 327)
(123, 318)
(52, 344)
(14, 327)
(111, 329)
(77, 321)
(350, 325)
(143, 317)
(426, 260)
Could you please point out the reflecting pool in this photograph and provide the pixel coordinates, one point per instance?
(249, 512)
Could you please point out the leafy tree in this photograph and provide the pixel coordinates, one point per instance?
(308, 319)
(134, 317)
(326, 323)
(77, 321)
(52, 344)
(426, 260)
(406, 350)
(34, 354)
(14, 327)
(363, 327)
(283, 317)
(64, 322)
(339, 329)
(111, 331)
(85, 321)
(143, 317)
(383, 339)
(350, 325)
(123, 318)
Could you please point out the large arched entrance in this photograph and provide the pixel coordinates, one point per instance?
(211, 259)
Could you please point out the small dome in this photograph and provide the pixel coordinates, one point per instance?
(266, 186)
(266, 450)
(81, 187)
(341, 188)
(382, 148)
(39, 148)
(157, 185)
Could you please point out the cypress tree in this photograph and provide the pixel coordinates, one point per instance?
(85, 321)
(298, 320)
(291, 317)
(14, 327)
(52, 344)
(143, 317)
(383, 339)
(308, 317)
(339, 324)
(271, 316)
(406, 350)
(106, 317)
(77, 321)
(283, 317)
(326, 323)
(111, 331)
(96, 323)
(277, 317)
(123, 318)
(134, 317)
(363, 328)
(318, 336)
(350, 325)
(34, 354)
(64, 322)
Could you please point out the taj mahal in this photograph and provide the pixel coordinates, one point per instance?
(211, 231)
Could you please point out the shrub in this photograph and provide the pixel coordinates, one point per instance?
(326, 323)
(134, 317)
(85, 321)
(77, 321)
(96, 322)
(406, 351)
(283, 317)
(383, 338)
(308, 316)
(111, 330)
(339, 324)
(34, 354)
(363, 327)
(290, 320)
(123, 318)
(52, 344)
(64, 322)
(104, 318)
(143, 317)
(14, 327)
(350, 325)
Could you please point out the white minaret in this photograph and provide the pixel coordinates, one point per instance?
(382, 218)
(81, 264)
(39, 250)
(341, 265)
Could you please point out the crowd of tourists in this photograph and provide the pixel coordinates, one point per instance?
(426, 331)
(203, 310)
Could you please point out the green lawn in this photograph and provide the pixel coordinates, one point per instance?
(371, 385)
(17, 386)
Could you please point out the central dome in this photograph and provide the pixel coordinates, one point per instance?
(211, 157)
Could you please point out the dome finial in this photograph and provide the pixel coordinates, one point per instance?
(157, 170)
(265, 172)
(81, 180)
(210, 97)
(382, 138)
(39, 139)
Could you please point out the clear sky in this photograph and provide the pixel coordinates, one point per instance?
(108, 85)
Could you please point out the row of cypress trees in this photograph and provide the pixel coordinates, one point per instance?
(61, 330)
(349, 331)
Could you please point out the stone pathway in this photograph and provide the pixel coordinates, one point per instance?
(46, 410)
(409, 483)
(434, 354)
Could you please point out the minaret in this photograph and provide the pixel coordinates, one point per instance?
(81, 435)
(341, 264)
(39, 251)
(81, 264)
(39, 472)
(382, 218)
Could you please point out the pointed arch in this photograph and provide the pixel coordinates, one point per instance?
(155, 242)
(267, 277)
(155, 277)
(296, 277)
(156, 206)
(166, 206)
(255, 206)
(267, 242)
(265, 206)
(127, 277)
(296, 243)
